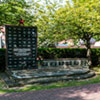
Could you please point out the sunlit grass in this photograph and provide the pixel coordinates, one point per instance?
(97, 70)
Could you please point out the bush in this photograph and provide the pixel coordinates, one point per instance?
(95, 55)
(52, 53)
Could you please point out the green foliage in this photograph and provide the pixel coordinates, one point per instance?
(12, 10)
(95, 55)
(53, 53)
(80, 20)
(46, 22)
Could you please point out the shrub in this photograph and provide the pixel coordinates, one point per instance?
(52, 53)
(95, 54)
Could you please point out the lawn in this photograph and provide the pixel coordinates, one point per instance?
(96, 79)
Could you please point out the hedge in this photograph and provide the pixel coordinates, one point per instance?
(95, 56)
(2, 60)
(53, 53)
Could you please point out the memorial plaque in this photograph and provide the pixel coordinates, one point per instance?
(21, 44)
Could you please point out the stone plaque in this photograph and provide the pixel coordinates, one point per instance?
(22, 52)
(21, 44)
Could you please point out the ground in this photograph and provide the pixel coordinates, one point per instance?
(88, 89)
(86, 92)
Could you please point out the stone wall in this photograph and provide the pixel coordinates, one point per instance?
(64, 63)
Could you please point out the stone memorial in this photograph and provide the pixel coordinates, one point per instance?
(21, 57)
(65, 63)
(21, 46)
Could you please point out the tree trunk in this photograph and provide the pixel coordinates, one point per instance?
(88, 46)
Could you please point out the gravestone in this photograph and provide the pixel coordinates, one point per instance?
(21, 46)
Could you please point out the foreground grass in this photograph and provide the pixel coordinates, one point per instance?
(93, 80)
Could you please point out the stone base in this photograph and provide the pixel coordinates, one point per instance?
(23, 77)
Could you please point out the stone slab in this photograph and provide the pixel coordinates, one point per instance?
(25, 74)
(24, 77)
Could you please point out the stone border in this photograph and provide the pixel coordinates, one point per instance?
(64, 63)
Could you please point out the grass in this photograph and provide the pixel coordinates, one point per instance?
(93, 80)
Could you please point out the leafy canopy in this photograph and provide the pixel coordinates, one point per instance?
(80, 20)
(12, 10)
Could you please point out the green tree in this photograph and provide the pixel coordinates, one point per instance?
(80, 20)
(46, 22)
(12, 10)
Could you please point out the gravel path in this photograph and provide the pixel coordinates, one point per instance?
(86, 92)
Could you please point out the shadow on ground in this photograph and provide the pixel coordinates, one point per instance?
(86, 92)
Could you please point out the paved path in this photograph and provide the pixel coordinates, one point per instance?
(86, 92)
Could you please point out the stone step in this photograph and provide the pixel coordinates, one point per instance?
(28, 75)
(54, 79)
(43, 80)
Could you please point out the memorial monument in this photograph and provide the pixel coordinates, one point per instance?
(21, 47)
(21, 60)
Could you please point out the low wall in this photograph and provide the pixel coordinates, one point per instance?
(64, 63)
